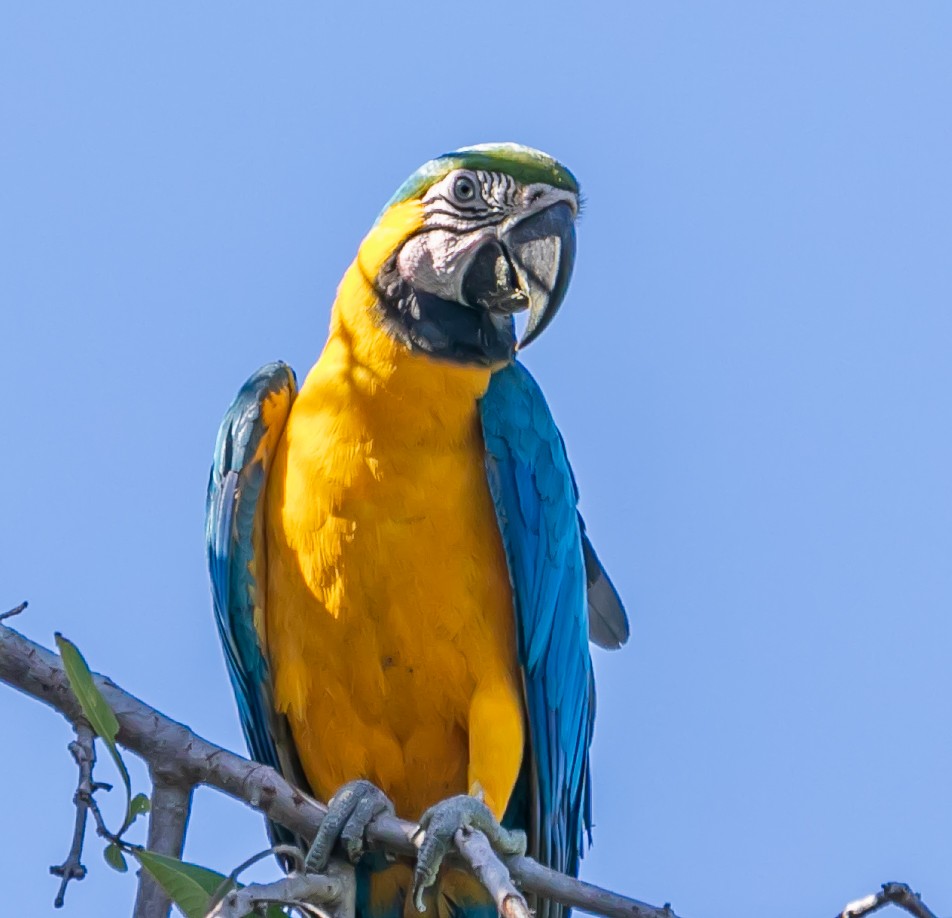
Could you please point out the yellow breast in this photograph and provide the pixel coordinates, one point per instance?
(389, 614)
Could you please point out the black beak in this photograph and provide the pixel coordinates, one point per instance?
(543, 253)
(492, 283)
(529, 269)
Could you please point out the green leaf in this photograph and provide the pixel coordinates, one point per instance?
(114, 858)
(189, 886)
(139, 805)
(96, 711)
(94, 706)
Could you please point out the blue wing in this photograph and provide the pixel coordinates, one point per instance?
(535, 499)
(248, 436)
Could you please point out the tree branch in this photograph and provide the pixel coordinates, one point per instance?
(185, 759)
(334, 893)
(492, 873)
(891, 894)
(168, 819)
(179, 759)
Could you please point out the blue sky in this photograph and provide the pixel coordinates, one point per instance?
(752, 373)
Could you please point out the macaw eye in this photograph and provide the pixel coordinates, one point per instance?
(464, 188)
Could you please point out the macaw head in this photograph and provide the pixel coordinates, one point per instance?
(469, 240)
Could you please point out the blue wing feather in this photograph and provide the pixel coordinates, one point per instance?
(233, 515)
(535, 499)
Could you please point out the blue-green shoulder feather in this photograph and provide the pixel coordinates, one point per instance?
(535, 499)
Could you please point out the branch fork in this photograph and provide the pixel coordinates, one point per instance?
(332, 894)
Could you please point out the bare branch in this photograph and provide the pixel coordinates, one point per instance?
(186, 758)
(491, 872)
(891, 894)
(16, 610)
(333, 894)
(168, 819)
(231, 881)
(84, 754)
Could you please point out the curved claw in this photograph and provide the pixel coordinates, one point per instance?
(349, 813)
(440, 824)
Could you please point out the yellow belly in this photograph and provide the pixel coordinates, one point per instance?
(389, 615)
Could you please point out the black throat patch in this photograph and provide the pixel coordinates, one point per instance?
(441, 328)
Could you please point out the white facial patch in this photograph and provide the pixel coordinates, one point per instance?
(435, 261)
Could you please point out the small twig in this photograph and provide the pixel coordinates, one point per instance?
(168, 818)
(102, 830)
(84, 754)
(491, 872)
(898, 894)
(16, 610)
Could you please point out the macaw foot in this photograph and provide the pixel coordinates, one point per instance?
(440, 824)
(349, 813)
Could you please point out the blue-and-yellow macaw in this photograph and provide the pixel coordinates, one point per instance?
(401, 580)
